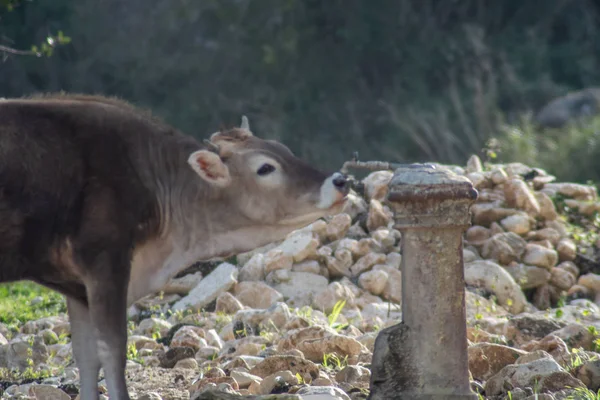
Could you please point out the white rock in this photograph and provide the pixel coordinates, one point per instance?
(300, 246)
(302, 286)
(394, 259)
(322, 393)
(567, 250)
(378, 216)
(256, 294)
(355, 205)
(366, 262)
(183, 284)
(150, 326)
(518, 195)
(474, 164)
(218, 281)
(335, 291)
(254, 269)
(228, 304)
(376, 184)
(338, 226)
(540, 256)
(311, 266)
(278, 259)
(385, 311)
(491, 276)
(279, 314)
(517, 223)
(373, 281)
(393, 286)
(385, 237)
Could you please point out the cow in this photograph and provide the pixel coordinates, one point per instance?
(103, 202)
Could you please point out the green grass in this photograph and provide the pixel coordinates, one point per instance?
(16, 305)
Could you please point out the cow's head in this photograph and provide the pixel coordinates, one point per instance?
(265, 182)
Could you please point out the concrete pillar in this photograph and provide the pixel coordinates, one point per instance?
(425, 356)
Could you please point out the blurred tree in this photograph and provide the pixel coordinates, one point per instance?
(426, 80)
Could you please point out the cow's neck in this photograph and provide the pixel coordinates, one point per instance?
(193, 224)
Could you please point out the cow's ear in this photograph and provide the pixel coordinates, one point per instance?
(210, 167)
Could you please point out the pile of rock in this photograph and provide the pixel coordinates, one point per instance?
(301, 316)
(519, 242)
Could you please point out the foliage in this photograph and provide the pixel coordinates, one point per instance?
(571, 153)
(25, 301)
(398, 80)
(44, 48)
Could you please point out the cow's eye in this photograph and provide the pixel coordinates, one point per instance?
(265, 169)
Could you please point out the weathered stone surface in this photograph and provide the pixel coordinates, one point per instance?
(218, 281)
(477, 235)
(504, 248)
(256, 294)
(374, 281)
(253, 269)
(517, 223)
(270, 365)
(494, 278)
(228, 304)
(518, 195)
(576, 336)
(378, 216)
(487, 359)
(540, 256)
(544, 373)
(366, 262)
(528, 276)
(567, 251)
(589, 374)
(376, 184)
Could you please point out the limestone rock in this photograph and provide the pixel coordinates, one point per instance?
(567, 250)
(338, 226)
(487, 359)
(518, 195)
(256, 294)
(228, 304)
(218, 281)
(572, 190)
(477, 235)
(374, 281)
(528, 276)
(277, 259)
(182, 285)
(376, 184)
(270, 365)
(540, 256)
(517, 223)
(494, 278)
(589, 374)
(504, 248)
(366, 262)
(547, 207)
(544, 373)
(253, 269)
(302, 286)
(377, 216)
(562, 278)
(486, 213)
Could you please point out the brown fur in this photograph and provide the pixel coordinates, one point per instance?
(94, 191)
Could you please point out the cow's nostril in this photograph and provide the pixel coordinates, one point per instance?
(340, 181)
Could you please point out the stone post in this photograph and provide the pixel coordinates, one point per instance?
(425, 356)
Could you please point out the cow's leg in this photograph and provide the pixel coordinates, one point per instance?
(107, 297)
(84, 349)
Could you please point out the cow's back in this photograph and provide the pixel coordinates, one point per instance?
(52, 155)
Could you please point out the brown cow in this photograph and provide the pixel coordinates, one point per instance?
(105, 203)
